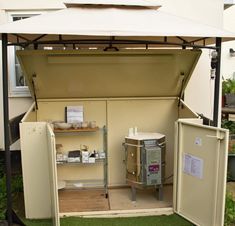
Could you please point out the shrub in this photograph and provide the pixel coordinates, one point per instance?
(229, 218)
(16, 187)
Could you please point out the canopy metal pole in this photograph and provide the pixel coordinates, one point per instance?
(6, 127)
(217, 84)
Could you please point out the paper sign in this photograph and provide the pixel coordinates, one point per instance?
(193, 166)
(74, 114)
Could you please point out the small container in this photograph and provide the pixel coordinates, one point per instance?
(84, 124)
(91, 160)
(92, 124)
(59, 157)
(62, 125)
(131, 132)
(76, 125)
(85, 156)
(102, 155)
(135, 131)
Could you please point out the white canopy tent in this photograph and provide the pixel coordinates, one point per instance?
(100, 23)
(97, 21)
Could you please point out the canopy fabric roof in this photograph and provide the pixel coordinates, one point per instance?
(99, 21)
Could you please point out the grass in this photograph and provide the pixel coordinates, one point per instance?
(229, 210)
(172, 220)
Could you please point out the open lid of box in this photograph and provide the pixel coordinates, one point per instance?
(130, 73)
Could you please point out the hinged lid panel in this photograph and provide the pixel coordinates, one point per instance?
(77, 74)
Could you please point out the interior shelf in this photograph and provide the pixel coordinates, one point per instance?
(81, 163)
(58, 131)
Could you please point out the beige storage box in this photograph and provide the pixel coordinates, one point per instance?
(119, 90)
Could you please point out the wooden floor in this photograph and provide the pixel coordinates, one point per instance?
(87, 200)
(82, 200)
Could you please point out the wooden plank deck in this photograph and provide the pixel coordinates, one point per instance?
(82, 200)
(91, 200)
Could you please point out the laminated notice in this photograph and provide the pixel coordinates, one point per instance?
(74, 114)
(193, 166)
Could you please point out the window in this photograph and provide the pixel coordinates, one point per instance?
(18, 86)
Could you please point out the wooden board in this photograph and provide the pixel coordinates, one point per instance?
(88, 129)
(82, 200)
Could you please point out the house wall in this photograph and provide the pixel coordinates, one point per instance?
(200, 90)
(228, 69)
(209, 12)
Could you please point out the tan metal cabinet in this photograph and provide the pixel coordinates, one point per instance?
(120, 90)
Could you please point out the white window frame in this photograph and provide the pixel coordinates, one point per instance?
(17, 91)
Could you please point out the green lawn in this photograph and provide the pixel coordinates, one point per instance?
(172, 220)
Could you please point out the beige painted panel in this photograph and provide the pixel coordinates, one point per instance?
(31, 115)
(148, 116)
(201, 200)
(185, 111)
(93, 111)
(83, 173)
(34, 152)
(55, 110)
(78, 74)
(53, 176)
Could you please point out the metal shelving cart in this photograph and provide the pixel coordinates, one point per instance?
(103, 160)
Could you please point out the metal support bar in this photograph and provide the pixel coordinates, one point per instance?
(34, 92)
(107, 41)
(217, 84)
(159, 189)
(35, 40)
(199, 39)
(21, 37)
(6, 127)
(183, 40)
(133, 194)
(105, 161)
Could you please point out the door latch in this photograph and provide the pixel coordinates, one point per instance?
(218, 137)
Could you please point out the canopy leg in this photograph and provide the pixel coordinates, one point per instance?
(6, 128)
(15, 219)
(217, 84)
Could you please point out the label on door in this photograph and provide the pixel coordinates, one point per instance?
(193, 166)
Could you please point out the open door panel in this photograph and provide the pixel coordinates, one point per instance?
(53, 177)
(200, 173)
